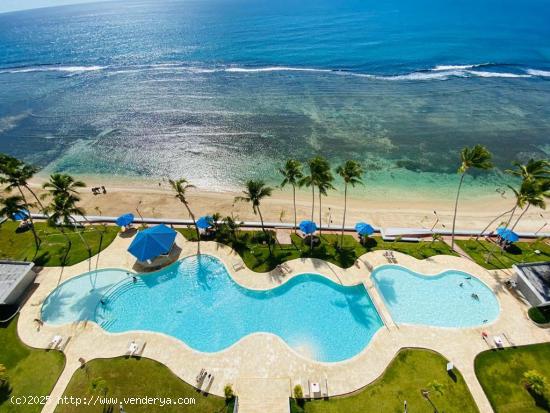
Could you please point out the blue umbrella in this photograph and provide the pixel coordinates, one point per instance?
(125, 220)
(363, 229)
(205, 222)
(152, 242)
(21, 215)
(308, 227)
(507, 234)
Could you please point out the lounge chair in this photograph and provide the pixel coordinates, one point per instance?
(56, 341)
(238, 266)
(498, 341)
(132, 348)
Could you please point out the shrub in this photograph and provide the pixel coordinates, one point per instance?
(298, 392)
(3, 376)
(228, 391)
(535, 382)
(540, 315)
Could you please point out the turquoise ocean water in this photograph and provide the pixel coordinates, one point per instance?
(220, 91)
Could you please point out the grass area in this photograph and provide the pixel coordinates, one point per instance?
(30, 371)
(20, 245)
(540, 315)
(492, 257)
(256, 255)
(412, 371)
(131, 377)
(500, 374)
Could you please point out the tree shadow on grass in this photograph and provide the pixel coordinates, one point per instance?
(540, 401)
(5, 391)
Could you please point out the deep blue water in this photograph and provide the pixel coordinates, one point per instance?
(224, 90)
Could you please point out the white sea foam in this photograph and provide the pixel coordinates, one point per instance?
(541, 73)
(439, 72)
(68, 69)
(495, 74)
(454, 67)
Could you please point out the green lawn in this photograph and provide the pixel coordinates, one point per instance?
(480, 251)
(500, 374)
(31, 372)
(131, 377)
(256, 256)
(410, 372)
(20, 246)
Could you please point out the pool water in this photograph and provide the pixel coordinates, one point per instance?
(450, 299)
(197, 301)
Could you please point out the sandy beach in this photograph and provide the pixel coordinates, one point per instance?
(385, 209)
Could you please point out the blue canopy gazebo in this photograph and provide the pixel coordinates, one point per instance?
(507, 235)
(308, 227)
(125, 220)
(364, 229)
(205, 222)
(152, 242)
(20, 215)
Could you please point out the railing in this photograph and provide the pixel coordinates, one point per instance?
(287, 225)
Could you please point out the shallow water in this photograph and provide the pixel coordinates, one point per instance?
(451, 299)
(221, 91)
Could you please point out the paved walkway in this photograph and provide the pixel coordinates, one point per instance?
(265, 358)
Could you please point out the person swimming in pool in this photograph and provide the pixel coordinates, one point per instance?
(475, 296)
(461, 284)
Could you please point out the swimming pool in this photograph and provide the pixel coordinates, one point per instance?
(197, 301)
(450, 299)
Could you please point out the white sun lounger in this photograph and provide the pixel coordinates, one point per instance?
(132, 348)
(56, 341)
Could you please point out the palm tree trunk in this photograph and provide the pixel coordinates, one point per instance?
(456, 209)
(511, 215)
(344, 218)
(295, 214)
(320, 213)
(86, 244)
(267, 237)
(520, 216)
(69, 245)
(40, 204)
(37, 240)
(196, 227)
(492, 222)
(312, 201)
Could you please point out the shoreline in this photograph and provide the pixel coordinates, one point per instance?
(401, 209)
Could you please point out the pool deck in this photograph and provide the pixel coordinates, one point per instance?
(260, 359)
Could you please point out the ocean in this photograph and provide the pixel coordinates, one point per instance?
(221, 91)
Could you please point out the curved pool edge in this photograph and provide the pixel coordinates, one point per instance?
(242, 360)
(439, 274)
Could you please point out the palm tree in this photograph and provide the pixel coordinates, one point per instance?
(15, 175)
(255, 191)
(180, 187)
(308, 182)
(63, 185)
(477, 157)
(11, 206)
(61, 212)
(292, 175)
(533, 170)
(351, 172)
(531, 193)
(321, 177)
